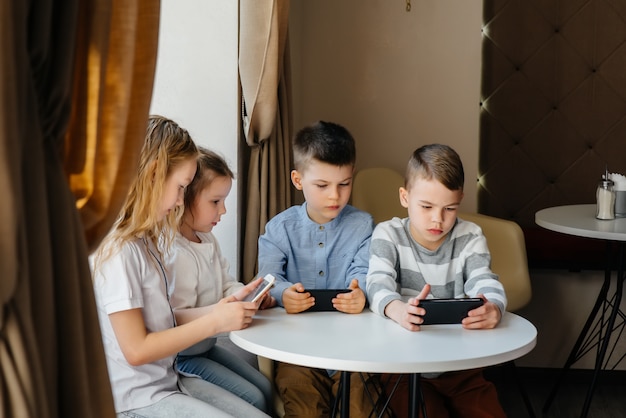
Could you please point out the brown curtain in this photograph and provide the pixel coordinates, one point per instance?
(113, 90)
(75, 87)
(266, 100)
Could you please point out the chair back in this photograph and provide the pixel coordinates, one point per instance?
(505, 240)
(376, 190)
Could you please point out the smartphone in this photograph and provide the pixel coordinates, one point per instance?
(323, 299)
(260, 290)
(448, 311)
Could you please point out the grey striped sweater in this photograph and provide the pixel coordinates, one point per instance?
(399, 267)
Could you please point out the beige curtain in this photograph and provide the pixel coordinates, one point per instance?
(84, 69)
(266, 100)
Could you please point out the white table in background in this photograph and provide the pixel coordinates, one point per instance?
(367, 342)
(580, 220)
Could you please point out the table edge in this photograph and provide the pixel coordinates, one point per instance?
(373, 367)
(578, 232)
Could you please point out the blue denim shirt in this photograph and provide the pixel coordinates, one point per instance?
(320, 256)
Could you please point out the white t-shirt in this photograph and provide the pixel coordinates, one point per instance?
(132, 278)
(200, 274)
(200, 277)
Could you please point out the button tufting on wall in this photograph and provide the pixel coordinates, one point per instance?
(541, 91)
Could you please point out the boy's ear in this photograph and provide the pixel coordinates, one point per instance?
(296, 179)
(404, 197)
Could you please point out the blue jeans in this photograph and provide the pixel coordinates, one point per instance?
(227, 370)
(206, 400)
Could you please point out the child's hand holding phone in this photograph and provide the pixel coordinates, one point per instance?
(266, 284)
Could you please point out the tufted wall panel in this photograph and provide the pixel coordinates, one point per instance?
(553, 114)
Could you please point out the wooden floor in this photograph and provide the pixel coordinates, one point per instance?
(609, 399)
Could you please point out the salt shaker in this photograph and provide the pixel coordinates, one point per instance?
(605, 198)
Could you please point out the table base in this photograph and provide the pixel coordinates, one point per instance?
(416, 400)
(597, 331)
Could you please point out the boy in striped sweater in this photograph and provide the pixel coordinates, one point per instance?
(434, 254)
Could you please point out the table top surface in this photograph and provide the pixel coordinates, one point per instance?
(580, 220)
(367, 342)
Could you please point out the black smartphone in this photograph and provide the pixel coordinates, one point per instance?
(448, 311)
(323, 299)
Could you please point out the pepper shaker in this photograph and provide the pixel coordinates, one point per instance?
(605, 198)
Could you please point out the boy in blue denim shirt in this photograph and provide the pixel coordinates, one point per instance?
(322, 244)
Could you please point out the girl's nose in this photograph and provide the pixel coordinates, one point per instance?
(180, 199)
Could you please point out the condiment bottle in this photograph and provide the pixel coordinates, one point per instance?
(605, 198)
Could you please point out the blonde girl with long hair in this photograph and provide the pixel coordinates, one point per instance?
(132, 276)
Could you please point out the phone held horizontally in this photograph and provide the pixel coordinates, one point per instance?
(324, 299)
(260, 290)
(448, 311)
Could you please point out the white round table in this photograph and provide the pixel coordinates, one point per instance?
(367, 342)
(580, 220)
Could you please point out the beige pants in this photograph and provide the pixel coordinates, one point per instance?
(310, 393)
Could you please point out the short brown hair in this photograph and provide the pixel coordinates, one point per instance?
(326, 142)
(436, 162)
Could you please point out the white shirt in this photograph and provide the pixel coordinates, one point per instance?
(200, 277)
(132, 278)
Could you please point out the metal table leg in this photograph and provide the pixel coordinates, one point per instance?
(416, 399)
(586, 338)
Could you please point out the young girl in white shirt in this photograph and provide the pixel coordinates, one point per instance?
(132, 280)
(201, 278)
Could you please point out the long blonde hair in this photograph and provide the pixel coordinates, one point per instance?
(166, 146)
